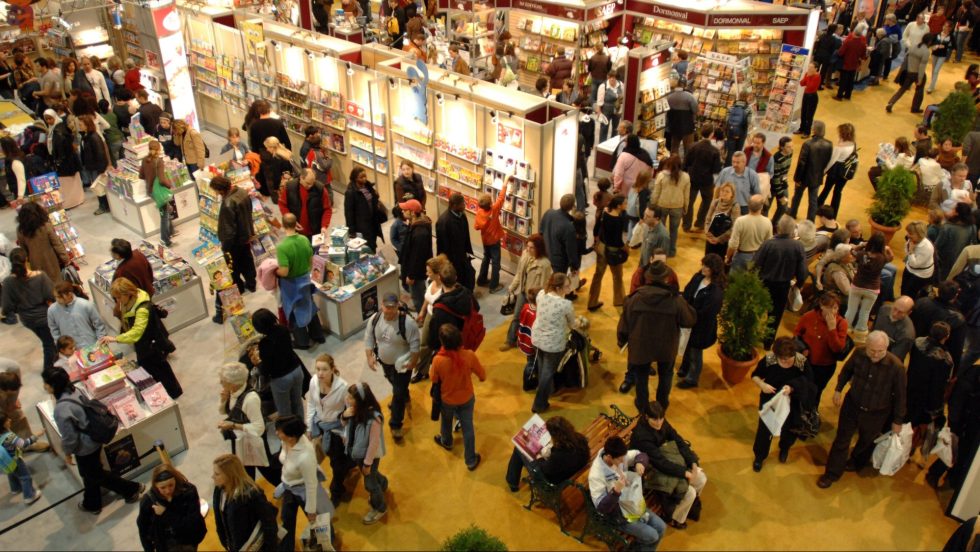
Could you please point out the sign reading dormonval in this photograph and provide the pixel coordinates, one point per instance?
(680, 14)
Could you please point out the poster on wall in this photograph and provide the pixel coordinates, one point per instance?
(369, 303)
(254, 37)
(122, 455)
(166, 22)
(152, 59)
(509, 134)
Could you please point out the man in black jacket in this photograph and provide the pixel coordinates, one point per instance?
(942, 308)
(266, 126)
(416, 250)
(680, 118)
(309, 200)
(780, 260)
(877, 393)
(814, 157)
(453, 241)
(559, 238)
(677, 470)
(235, 231)
(964, 423)
(702, 163)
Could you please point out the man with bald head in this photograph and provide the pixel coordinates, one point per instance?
(294, 255)
(877, 394)
(894, 321)
(748, 234)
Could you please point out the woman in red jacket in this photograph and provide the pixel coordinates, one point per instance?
(824, 333)
(852, 52)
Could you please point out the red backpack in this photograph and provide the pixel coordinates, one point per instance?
(473, 330)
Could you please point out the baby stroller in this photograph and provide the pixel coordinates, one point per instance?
(573, 370)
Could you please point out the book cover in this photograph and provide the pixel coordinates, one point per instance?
(122, 455)
(231, 300)
(332, 275)
(241, 324)
(218, 273)
(93, 358)
(156, 398)
(319, 268)
(533, 438)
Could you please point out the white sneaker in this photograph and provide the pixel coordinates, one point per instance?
(33, 499)
(373, 517)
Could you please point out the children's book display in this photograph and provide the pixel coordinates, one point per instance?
(341, 266)
(264, 245)
(170, 271)
(210, 256)
(126, 389)
(719, 81)
(46, 190)
(785, 88)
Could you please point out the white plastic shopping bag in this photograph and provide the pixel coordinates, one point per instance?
(631, 501)
(775, 412)
(944, 446)
(682, 342)
(251, 450)
(892, 451)
(316, 536)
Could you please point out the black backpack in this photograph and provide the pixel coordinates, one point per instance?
(850, 165)
(402, 315)
(102, 424)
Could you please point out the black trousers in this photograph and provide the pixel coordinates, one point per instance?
(846, 84)
(779, 292)
(763, 441)
(160, 369)
(639, 375)
(822, 374)
(807, 111)
(242, 264)
(833, 183)
(94, 477)
(706, 190)
(811, 210)
(908, 81)
(867, 424)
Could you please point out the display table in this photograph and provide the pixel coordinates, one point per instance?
(344, 318)
(143, 217)
(12, 114)
(186, 304)
(165, 426)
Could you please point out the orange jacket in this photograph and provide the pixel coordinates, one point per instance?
(454, 370)
(488, 222)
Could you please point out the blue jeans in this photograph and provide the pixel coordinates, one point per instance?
(859, 303)
(639, 374)
(937, 63)
(20, 480)
(960, 40)
(88, 176)
(515, 466)
(673, 217)
(115, 150)
(692, 363)
(520, 299)
(648, 531)
(888, 282)
(399, 394)
(287, 393)
(604, 129)
(740, 259)
(417, 291)
(166, 225)
(491, 262)
(547, 366)
(191, 169)
(464, 413)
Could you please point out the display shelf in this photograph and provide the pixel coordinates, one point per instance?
(465, 153)
(422, 158)
(653, 85)
(46, 191)
(718, 83)
(364, 127)
(538, 39)
(369, 160)
(785, 89)
(365, 144)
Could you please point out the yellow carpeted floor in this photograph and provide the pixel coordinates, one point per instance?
(432, 495)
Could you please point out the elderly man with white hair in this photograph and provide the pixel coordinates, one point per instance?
(877, 394)
(746, 180)
(244, 425)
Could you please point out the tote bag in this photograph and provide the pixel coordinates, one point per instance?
(161, 194)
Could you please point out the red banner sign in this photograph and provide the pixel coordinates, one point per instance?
(655, 60)
(553, 10)
(605, 10)
(670, 13)
(747, 21)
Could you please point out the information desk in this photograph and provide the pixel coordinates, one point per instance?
(143, 217)
(344, 318)
(166, 426)
(186, 304)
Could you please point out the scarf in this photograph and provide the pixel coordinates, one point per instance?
(725, 205)
(57, 121)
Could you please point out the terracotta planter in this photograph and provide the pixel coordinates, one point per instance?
(734, 371)
(888, 231)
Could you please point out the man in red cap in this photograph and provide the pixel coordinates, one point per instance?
(416, 250)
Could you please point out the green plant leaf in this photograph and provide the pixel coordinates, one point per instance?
(473, 538)
(955, 118)
(742, 322)
(893, 197)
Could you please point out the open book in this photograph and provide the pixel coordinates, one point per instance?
(533, 438)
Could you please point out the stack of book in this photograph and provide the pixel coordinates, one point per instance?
(126, 406)
(105, 382)
(140, 378)
(156, 398)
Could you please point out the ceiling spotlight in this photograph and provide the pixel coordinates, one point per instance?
(493, 116)
(309, 54)
(440, 100)
(392, 83)
(350, 69)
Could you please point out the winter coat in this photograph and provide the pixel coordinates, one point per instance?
(852, 51)
(559, 71)
(460, 300)
(453, 240)
(362, 215)
(814, 157)
(181, 523)
(95, 156)
(45, 251)
(707, 305)
(649, 440)
(235, 519)
(417, 249)
(63, 151)
(410, 186)
(531, 273)
(654, 310)
(929, 369)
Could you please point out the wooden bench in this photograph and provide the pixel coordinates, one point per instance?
(571, 499)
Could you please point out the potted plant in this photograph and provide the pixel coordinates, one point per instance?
(473, 538)
(742, 324)
(955, 118)
(892, 201)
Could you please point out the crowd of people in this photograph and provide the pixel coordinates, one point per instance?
(893, 354)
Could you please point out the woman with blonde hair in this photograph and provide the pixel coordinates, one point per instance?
(920, 266)
(671, 193)
(152, 171)
(116, 72)
(191, 145)
(143, 328)
(277, 165)
(721, 216)
(243, 517)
